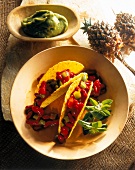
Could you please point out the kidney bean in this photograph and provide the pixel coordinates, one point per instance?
(69, 124)
(51, 123)
(30, 113)
(61, 138)
(38, 110)
(32, 122)
(71, 119)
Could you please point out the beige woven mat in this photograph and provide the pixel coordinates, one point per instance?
(121, 153)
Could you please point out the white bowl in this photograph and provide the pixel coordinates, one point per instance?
(22, 95)
(19, 13)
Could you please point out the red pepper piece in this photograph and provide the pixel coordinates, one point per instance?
(75, 103)
(59, 76)
(77, 88)
(71, 74)
(98, 84)
(66, 79)
(80, 106)
(42, 88)
(95, 89)
(70, 102)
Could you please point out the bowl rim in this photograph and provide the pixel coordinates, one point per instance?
(55, 38)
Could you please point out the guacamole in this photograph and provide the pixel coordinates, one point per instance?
(44, 24)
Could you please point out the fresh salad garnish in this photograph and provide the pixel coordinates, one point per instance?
(97, 112)
(92, 127)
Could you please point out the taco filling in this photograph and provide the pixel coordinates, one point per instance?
(56, 80)
(75, 101)
(46, 88)
(51, 85)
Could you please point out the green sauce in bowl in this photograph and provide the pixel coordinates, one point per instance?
(44, 24)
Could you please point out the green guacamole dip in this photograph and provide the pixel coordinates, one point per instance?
(44, 24)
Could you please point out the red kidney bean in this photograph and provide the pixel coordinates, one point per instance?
(70, 125)
(38, 110)
(92, 78)
(29, 115)
(74, 114)
(71, 119)
(42, 88)
(51, 123)
(45, 117)
(61, 138)
(32, 122)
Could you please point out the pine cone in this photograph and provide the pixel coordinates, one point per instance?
(125, 24)
(104, 39)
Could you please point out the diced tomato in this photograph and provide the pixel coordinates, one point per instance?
(58, 76)
(66, 78)
(80, 106)
(42, 88)
(72, 74)
(64, 130)
(70, 102)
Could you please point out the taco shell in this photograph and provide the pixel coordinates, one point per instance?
(59, 92)
(67, 96)
(74, 67)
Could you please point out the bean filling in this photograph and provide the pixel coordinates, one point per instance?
(35, 115)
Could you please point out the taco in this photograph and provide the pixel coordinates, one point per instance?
(56, 80)
(74, 103)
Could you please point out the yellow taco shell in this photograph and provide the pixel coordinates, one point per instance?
(59, 92)
(74, 67)
(67, 96)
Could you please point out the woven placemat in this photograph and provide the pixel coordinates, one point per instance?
(16, 154)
